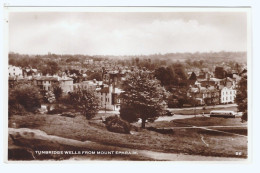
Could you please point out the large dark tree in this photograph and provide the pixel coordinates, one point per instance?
(85, 100)
(193, 77)
(50, 67)
(143, 98)
(179, 71)
(57, 91)
(96, 76)
(25, 95)
(165, 75)
(241, 97)
(220, 72)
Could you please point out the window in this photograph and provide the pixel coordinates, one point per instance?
(227, 98)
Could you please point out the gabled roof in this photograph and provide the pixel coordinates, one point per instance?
(46, 78)
(53, 78)
(104, 90)
(65, 78)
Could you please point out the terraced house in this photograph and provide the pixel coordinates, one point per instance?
(46, 82)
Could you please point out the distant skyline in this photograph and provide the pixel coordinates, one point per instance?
(126, 33)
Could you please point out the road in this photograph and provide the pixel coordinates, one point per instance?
(173, 109)
(175, 117)
(201, 107)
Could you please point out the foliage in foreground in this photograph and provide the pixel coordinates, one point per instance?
(116, 124)
(24, 97)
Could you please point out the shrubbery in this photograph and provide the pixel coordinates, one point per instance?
(55, 111)
(16, 109)
(85, 100)
(128, 114)
(116, 124)
(24, 97)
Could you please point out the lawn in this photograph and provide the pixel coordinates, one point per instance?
(188, 141)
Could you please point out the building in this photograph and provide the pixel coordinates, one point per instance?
(91, 84)
(15, 71)
(29, 72)
(109, 97)
(46, 83)
(66, 84)
(210, 95)
(227, 95)
(204, 95)
(210, 82)
(107, 94)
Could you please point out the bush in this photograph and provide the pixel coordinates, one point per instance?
(16, 109)
(128, 114)
(55, 111)
(116, 124)
(24, 95)
(86, 101)
(68, 114)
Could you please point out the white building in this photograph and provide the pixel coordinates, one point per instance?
(14, 71)
(88, 61)
(91, 84)
(227, 95)
(109, 98)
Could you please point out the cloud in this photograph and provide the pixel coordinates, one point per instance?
(124, 33)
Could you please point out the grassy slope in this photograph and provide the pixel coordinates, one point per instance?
(181, 141)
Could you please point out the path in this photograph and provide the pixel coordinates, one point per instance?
(201, 107)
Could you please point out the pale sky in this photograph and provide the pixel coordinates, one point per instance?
(126, 33)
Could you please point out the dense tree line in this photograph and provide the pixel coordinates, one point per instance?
(241, 97)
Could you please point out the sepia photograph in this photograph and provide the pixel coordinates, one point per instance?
(128, 84)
